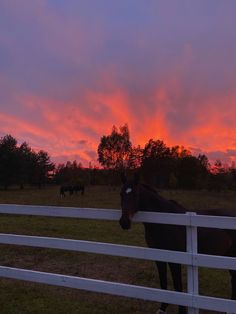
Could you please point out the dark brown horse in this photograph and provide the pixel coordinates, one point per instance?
(136, 196)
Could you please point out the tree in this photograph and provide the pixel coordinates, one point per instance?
(179, 151)
(114, 149)
(135, 157)
(218, 167)
(41, 166)
(155, 149)
(204, 162)
(9, 162)
(25, 155)
(157, 163)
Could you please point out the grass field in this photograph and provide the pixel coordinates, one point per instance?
(18, 297)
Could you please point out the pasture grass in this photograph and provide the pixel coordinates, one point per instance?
(18, 297)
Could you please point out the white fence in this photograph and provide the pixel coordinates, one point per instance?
(191, 258)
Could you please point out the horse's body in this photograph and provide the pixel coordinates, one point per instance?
(72, 189)
(135, 196)
(78, 188)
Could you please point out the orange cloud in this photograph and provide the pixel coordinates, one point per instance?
(72, 129)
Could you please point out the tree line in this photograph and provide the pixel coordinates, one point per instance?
(163, 166)
(21, 165)
(159, 165)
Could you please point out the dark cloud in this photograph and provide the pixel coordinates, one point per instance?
(231, 152)
(82, 142)
(91, 154)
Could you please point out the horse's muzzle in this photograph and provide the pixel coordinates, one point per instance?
(125, 222)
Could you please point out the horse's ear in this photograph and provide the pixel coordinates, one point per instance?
(123, 178)
(136, 178)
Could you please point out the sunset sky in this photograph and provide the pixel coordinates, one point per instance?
(69, 70)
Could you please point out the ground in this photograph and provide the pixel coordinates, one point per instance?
(17, 297)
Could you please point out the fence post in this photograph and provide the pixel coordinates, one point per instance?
(192, 271)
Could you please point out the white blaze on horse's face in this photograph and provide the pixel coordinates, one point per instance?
(128, 190)
(129, 200)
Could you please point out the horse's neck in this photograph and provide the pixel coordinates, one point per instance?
(151, 201)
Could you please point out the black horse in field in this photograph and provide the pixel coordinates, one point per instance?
(136, 196)
(71, 189)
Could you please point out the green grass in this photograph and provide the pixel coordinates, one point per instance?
(24, 297)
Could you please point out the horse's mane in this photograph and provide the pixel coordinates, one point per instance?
(172, 205)
(148, 187)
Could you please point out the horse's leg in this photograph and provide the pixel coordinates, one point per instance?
(162, 270)
(177, 281)
(233, 284)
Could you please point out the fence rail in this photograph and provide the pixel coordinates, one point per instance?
(192, 259)
(114, 214)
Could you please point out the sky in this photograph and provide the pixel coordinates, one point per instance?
(70, 70)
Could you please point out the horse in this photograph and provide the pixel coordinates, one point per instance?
(77, 188)
(136, 196)
(72, 189)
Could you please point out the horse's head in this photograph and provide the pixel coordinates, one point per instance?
(129, 201)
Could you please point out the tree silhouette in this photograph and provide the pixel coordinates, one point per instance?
(25, 155)
(135, 157)
(114, 149)
(41, 168)
(157, 163)
(155, 149)
(9, 162)
(21, 165)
